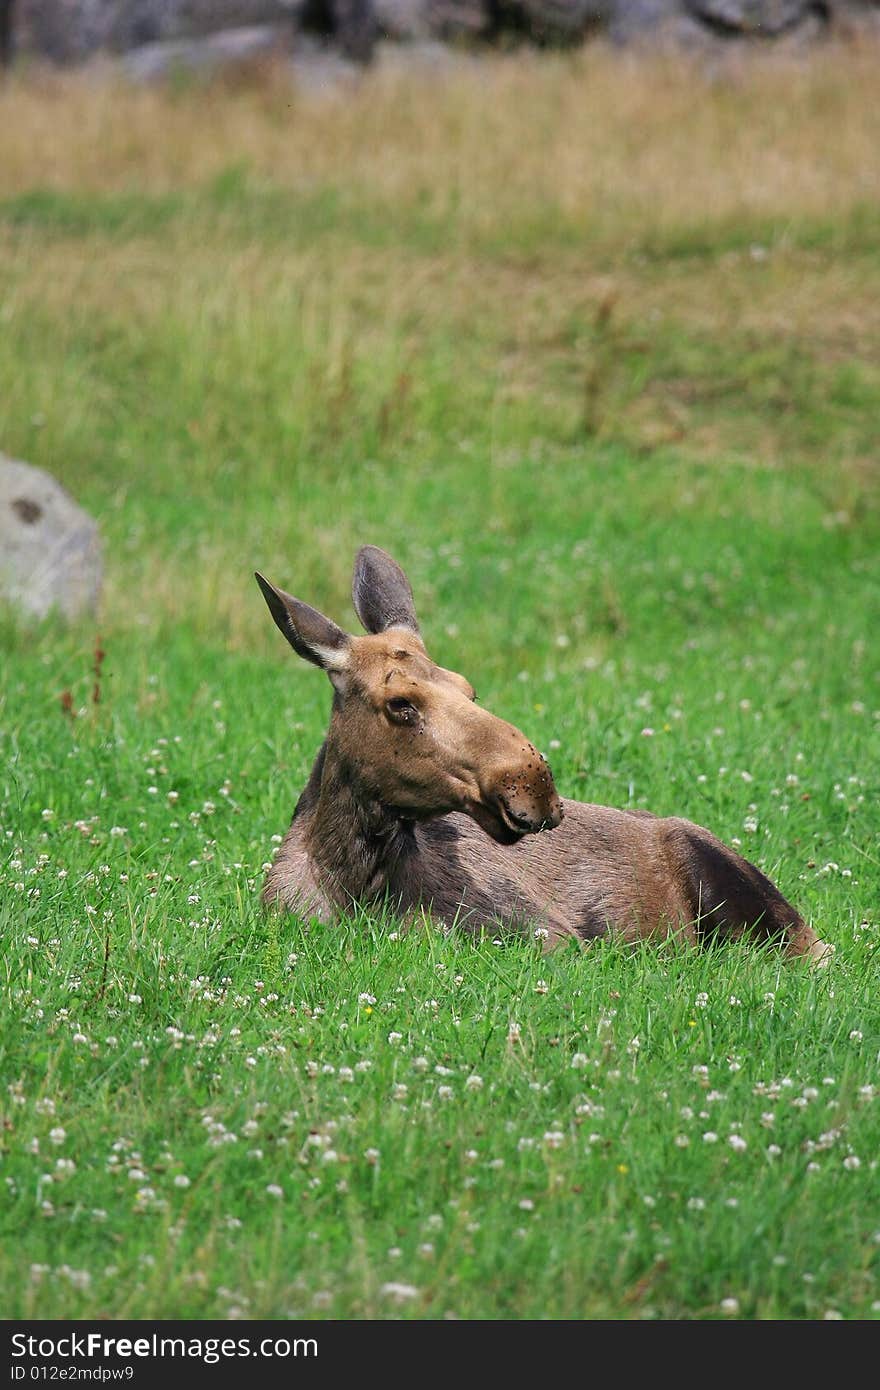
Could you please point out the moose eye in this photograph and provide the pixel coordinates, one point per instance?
(402, 711)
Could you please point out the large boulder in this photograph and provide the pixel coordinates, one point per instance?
(50, 550)
(758, 18)
(206, 56)
(686, 20)
(70, 30)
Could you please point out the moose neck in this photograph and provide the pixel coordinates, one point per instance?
(354, 841)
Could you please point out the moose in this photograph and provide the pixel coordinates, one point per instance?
(421, 799)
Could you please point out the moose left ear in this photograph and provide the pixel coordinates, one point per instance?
(311, 635)
(381, 592)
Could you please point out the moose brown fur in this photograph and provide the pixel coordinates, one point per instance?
(423, 800)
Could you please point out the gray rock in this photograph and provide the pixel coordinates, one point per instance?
(761, 18)
(404, 19)
(151, 61)
(50, 550)
(557, 20)
(71, 30)
(687, 21)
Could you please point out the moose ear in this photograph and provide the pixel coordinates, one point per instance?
(309, 633)
(381, 593)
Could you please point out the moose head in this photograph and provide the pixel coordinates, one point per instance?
(406, 733)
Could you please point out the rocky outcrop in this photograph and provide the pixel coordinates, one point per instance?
(70, 30)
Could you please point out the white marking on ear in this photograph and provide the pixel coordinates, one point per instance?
(332, 658)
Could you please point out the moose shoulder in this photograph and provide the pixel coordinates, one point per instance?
(422, 799)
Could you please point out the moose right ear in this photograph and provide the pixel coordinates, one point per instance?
(309, 633)
(381, 593)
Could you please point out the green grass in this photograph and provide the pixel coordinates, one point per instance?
(633, 480)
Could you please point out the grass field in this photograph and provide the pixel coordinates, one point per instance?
(594, 350)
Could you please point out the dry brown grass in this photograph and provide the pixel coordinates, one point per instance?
(598, 138)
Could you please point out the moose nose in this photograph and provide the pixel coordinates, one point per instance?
(523, 790)
(530, 822)
(533, 818)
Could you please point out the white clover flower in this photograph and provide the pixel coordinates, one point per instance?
(273, 1190)
(399, 1292)
(737, 1143)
